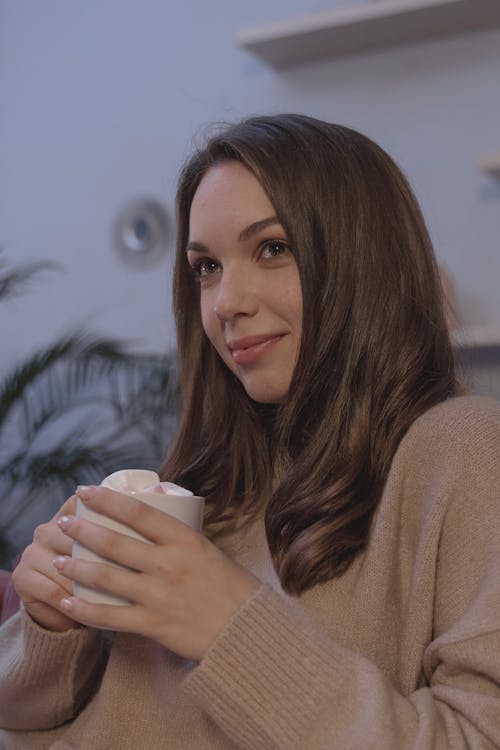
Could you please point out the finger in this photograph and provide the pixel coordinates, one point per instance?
(48, 536)
(125, 583)
(107, 543)
(153, 524)
(45, 608)
(68, 508)
(104, 616)
(39, 562)
(36, 586)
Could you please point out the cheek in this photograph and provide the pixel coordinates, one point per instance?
(290, 302)
(210, 322)
(207, 320)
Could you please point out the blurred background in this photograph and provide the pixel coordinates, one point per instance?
(100, 103)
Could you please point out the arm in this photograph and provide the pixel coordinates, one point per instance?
(46, 675)
(274, 679)
(49, 665)
(268, 675)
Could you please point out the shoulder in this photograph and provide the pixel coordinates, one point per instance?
(461, 429)
(443, 485)
(459, 413)
(449, 458)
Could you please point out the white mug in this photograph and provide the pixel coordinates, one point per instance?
(145, 486)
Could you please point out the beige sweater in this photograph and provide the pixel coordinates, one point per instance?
(403, 651)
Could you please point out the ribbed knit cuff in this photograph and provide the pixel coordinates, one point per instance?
(45, 670)
(265, 678)
(54, 657)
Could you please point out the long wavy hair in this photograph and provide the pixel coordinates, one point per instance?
(375, 350)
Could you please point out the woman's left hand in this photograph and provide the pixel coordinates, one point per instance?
(182, 589)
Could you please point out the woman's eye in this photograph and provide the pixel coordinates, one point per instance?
(274, 248)
(204, 267)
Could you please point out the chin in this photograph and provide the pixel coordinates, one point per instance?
(266, 394)
(267, 400)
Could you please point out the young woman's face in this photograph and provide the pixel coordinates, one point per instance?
(251, 299)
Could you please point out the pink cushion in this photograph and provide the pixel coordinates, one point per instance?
(9, 600)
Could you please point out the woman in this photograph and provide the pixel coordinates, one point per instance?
(346, 592)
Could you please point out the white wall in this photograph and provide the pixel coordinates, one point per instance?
(99, 103)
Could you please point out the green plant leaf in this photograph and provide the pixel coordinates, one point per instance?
(12, 282)
(90, 350)
(74, 411)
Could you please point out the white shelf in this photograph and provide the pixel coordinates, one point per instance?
(361, 28)
(490, 163)
(477, 336)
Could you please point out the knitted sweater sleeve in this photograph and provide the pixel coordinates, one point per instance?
(45, 676)
(274, 680)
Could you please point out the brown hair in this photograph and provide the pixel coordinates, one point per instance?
(375, 350)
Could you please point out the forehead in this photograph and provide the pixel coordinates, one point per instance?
(229, 192)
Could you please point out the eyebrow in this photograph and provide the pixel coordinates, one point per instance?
(246, 234)
(256, 227)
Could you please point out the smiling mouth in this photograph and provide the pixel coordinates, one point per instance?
(246, 351)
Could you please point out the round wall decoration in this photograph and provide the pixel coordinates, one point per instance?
(142, 231)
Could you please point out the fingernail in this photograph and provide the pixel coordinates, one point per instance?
(66, 604)
(58, 562)
(65, 522)
(84, 492)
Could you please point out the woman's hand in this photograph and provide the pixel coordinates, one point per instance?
(36, 580)
(182, 589)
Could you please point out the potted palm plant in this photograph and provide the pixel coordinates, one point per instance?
(72, 412)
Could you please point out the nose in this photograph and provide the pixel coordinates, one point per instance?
(236, 295)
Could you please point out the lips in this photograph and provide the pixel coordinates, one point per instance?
(250, 348)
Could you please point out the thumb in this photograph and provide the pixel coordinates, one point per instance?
(68, 508)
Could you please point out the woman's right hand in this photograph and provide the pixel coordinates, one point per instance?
(36, 580)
